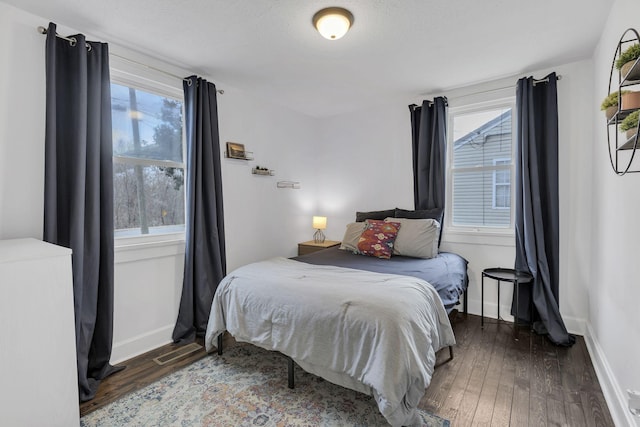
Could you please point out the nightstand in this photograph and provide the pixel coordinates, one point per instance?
(517, 278)
(311, 246)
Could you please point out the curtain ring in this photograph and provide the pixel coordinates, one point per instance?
(88, 46)
(73, 41)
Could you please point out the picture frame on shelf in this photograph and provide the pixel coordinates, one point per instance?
(236, 151)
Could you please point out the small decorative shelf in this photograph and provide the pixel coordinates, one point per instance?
(263, 171)
(294, 185)
(622, 149)
(248, 155)
(235, 150)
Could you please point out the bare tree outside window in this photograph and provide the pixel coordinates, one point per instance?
(148, 171)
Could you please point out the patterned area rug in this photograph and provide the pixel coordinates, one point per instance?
(246, 386)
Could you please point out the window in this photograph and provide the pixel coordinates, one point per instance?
(481, 166)
(501, 185)
(148, 165)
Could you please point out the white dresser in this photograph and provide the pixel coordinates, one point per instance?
(38, 378)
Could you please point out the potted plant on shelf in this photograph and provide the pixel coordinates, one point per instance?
(610, 104)
(630, 124)
(630, 100)
(626, 61)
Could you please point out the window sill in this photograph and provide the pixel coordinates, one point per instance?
(130, 249)
(480, 236)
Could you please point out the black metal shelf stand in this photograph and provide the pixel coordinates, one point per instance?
(617, 146)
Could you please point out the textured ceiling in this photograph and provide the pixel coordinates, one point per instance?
(396, 48)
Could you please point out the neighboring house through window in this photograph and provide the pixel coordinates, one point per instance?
(501, 185)
(480, 166)
(148, 158)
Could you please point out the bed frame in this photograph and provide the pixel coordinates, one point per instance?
(290, 363)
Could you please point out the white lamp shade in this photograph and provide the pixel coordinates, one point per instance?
(333, 23)
(320, 222)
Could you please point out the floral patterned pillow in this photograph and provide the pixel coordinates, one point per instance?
(377, 238)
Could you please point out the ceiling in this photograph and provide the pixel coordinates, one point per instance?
(399, 49)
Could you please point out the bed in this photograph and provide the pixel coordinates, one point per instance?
(364, 323)
(446, 272)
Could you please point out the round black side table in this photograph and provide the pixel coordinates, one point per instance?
(506, 275)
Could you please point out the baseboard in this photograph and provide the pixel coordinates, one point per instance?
(614, 395)
(125, 350)
(574, 325)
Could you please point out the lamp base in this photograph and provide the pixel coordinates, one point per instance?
(318, 236)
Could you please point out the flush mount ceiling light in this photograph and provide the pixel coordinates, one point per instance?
(333, 22)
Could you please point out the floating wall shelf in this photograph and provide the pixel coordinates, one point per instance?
(295, 185)
(259, 171)
(248, 155)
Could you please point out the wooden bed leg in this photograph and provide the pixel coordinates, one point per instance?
(290, 372)
(220, 344)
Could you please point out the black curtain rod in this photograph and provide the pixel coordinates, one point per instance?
(545, 80)
(535, 82)
(72, 41)
(414, 106)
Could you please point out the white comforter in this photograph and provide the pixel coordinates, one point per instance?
(373, 332)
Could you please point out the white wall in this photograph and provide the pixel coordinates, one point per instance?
(261, 221)
(615, 270)
(22, 114)
(366, 165)
(359, 161)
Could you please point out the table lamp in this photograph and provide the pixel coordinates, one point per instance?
(319, 223)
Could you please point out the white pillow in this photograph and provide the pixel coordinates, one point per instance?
(417, 238)
(352, 235)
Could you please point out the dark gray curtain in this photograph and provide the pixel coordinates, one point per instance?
(78, 196)
(537, 217)
(429, 144)
(205, 258)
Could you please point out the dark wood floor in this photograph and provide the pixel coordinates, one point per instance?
(140, 372)
(493, 380)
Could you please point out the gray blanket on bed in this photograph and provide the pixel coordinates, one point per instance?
(447, 272)
(380, 330)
